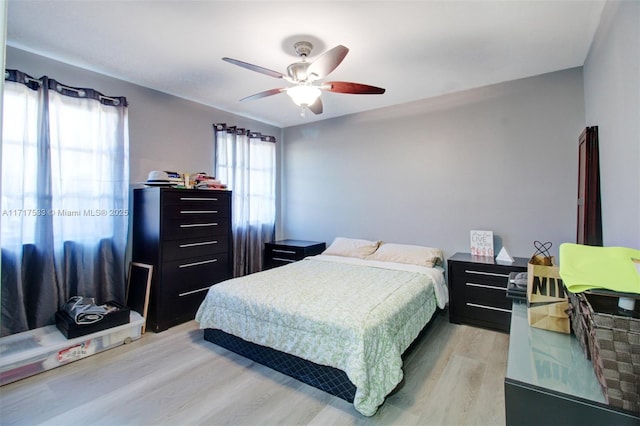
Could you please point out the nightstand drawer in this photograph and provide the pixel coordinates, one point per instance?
(486, 295)
(483, 274)
(283, 252)
(485, 315)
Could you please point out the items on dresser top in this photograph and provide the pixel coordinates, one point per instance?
(184, 180)
(163, 178)
(283, 252)
(478, 290)
(185, 234)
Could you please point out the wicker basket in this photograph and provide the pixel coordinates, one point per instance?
(578, 318)
(612, 341)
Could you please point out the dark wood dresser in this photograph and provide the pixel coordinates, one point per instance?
(278, 253)
(478, 288)
(186, 235)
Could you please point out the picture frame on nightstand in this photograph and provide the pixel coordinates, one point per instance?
(481, 243)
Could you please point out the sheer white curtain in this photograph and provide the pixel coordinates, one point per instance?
(246, 162)
(65, 178)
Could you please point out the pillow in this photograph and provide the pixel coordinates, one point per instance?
(351, 247)
(410, 254)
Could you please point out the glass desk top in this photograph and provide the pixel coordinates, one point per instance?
(549, 360)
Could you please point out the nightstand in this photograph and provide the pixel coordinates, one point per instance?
(278, 253)
(478, 290)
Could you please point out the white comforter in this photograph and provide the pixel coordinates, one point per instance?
(352, 314)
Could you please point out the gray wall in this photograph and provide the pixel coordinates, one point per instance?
(500, 158)
(612, 102)
(165, 132)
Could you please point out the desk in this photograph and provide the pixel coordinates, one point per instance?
(550, 381)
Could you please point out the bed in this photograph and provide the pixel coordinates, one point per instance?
(339, 321)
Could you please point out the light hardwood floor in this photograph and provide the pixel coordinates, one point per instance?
(453, 376)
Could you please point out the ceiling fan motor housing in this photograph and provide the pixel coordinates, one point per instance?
(298, 71)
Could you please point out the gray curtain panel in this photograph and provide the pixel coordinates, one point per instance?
(65, 178)
(245, 161)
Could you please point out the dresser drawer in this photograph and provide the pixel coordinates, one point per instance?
(195, 199)
(195, 247)
(195, 228)
(186, 305)
(188, 275)
(195, 212)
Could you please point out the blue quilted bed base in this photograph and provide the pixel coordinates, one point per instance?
(328, 379)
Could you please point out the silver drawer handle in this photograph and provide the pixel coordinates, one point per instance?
(493, 274)
(204, 243)
(204, 262)
(492, 287)
(193, 291)
(493, 308)
(194, 225)
(283, 251)
(198, 211)
(197, 199)
(283, 260)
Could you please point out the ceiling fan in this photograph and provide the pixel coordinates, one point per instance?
(305, 77)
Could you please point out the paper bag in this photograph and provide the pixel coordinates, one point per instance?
(547, 299)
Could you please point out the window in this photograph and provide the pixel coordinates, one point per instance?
(245, 161)
(65, 188)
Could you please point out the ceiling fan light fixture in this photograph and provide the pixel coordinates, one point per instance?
(303, 95)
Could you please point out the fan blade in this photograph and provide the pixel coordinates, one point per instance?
(327, 62)
(255, 68)
(353, 88)
(264, 94)
(316, 107)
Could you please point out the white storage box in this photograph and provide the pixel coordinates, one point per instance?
(34, 351)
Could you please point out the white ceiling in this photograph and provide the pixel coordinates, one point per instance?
(414, 49)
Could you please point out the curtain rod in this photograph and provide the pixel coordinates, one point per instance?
(61, 87)
(82, 93)
(235, 129)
